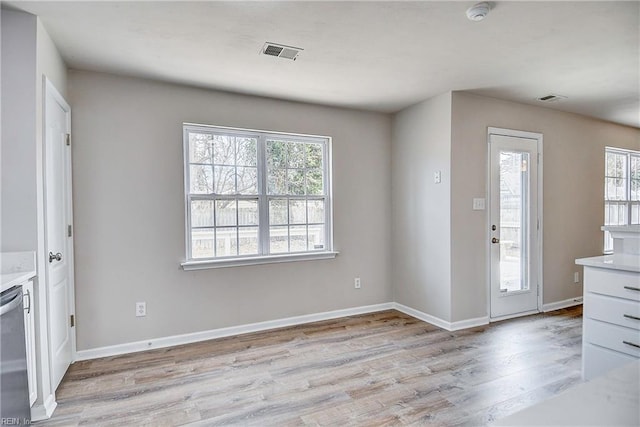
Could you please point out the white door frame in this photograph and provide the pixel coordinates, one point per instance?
(51, 91)
(539, 138)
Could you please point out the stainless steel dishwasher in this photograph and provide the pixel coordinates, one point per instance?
(14, 386)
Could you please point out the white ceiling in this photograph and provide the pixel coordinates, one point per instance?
(380, 56)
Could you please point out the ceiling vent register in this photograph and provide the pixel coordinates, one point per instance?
(281, 51)
(551, 98)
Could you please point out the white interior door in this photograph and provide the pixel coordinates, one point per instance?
(59, 244)
(514, 223)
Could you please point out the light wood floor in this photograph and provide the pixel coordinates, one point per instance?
(378, 369)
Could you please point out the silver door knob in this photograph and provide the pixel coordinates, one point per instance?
(494, 240)
(57, 257)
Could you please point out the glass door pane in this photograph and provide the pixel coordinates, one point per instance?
(514, 227)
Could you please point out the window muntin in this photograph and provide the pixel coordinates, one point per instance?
(252, 193)
(621, 190)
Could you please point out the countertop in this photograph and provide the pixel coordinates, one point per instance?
(626, 262)
(16, 267)
(612, 399)
(11, 279)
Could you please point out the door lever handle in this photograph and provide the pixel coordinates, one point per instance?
(495, 240)
(57, 257)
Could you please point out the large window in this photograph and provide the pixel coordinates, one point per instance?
(253, 195)
(621, 190)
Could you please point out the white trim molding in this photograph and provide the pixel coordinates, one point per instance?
(44, 411)
(436, 321)
(174, 340)
(571, 302)
(256, 260)
(133, 347)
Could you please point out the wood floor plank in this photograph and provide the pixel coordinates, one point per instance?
(380, 369)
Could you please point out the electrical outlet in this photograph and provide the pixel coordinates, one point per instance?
(141, 309)
(356, 283)
(576, 277)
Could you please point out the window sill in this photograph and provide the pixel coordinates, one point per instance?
(269, 259)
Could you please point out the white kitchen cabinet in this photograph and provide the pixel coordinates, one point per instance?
(611, 317)
(30, 338)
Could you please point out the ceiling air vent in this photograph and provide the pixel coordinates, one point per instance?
(551, 98)
(281, 51)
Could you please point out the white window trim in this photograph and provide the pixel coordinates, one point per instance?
(207, 263)
(257, 260)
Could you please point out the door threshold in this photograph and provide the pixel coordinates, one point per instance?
(513, 316)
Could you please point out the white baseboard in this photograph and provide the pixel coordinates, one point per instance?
(174, 340)
(163, 342)
(45, 410)
(561, 304)
(469, 323)
(436, 321)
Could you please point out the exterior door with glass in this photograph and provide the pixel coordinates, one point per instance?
(514, 237)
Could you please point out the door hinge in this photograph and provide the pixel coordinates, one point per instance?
(68, 139)
(69, 231)
(73, 320)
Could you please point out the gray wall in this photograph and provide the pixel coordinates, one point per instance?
(18, 148)
(27, 54)
(421, 209)
(573, 207)
(129, 213)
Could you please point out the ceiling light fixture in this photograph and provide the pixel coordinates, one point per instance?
(479, 11)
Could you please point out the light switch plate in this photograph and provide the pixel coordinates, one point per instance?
(478, 204)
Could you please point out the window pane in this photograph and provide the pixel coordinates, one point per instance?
(225, 179)
(314, 156)
(247, 152)
(278, 239)
(202, 243)
(202, 213)
(615, 189)
(297, 212)
(295, 155)
(248, 212)
(248, 240)
(201, 178)
(276, 154)
(298, 238)
(226, 241)
(314, 182)
(635, 189)
(616, 214)
(316, 237)
(200, 148)
(295, 181)
(224, 152)
(635, 213)
(277, 181)
(278, 212)
(247, 180)
(225, 212)
(315, 211)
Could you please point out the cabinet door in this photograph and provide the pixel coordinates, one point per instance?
(30, 338)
